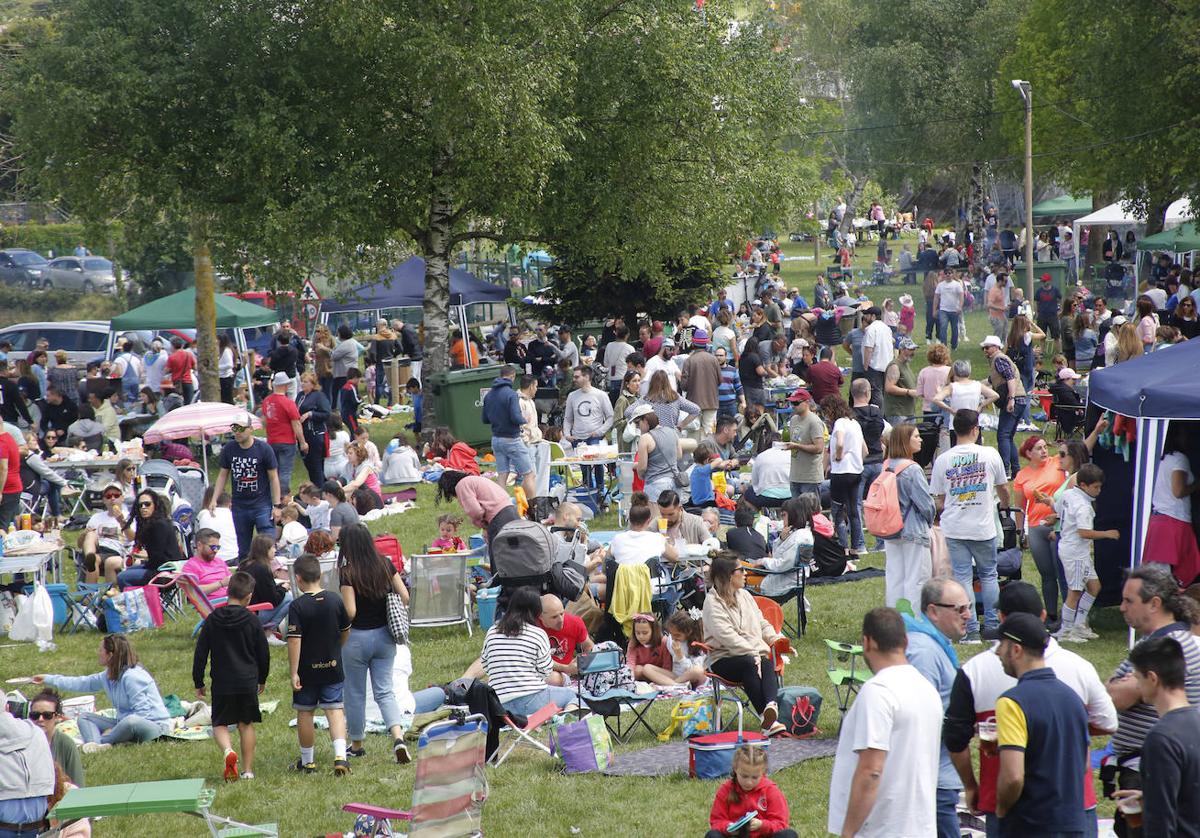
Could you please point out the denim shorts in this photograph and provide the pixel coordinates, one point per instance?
(512, 456)
(325, 696)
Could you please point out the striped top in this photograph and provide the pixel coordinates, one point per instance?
(516, 666)
(1135, 723)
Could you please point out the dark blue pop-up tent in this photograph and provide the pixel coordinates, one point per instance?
(1153, 390)
(404, 287)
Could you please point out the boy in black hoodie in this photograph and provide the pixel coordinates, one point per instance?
(240, 662)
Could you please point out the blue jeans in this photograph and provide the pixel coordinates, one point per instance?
(248, 517)
(593, 476)
(1006, 429)
(133, 577)
(276, 614)
(131, 728)
(527, 705)
(799, 489)
(964, 553)
(512, 456)
(370, 650)
(846, 501)
(285, 455)
(948, 319)
(429, 699)
(947, 814)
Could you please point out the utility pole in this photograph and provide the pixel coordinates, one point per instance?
(1026, 91)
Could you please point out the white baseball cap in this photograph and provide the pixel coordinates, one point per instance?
(991, 340)
(280, 379)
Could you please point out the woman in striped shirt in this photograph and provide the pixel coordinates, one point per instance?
(516, 658)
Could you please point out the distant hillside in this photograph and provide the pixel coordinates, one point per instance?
(11, 10)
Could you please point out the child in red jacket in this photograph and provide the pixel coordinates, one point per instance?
(749, 793)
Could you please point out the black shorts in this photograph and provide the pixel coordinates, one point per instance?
(1050, 327)
(235, 708)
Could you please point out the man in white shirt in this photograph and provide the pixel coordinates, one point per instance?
(966, 481)
(878, 351)
(662, 362)
(770, 477)
(982, 680)
(948, 300)
(885, 772)
(698, 320)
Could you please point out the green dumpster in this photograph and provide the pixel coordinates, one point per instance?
(458, 401)
(1056, 268)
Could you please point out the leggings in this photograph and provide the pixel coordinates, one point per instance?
(761, 687)
(314, 460)
(1046, 559)
(844, 494)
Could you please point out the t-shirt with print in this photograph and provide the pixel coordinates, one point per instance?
(318, 619)
(248, 469)
(108, 532)
(901, 715)
(968, 476)
(809, 429)
(567, 639)
(278, 414)
(1076, 512)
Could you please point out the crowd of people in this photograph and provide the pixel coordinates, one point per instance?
(743, 411)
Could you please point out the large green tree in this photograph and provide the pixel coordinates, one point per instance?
(177, 107)
(1115, 90)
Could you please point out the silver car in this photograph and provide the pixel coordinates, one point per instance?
(80, 273)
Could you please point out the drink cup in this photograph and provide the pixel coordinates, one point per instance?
(1131, 808)
(988, 738)
(662, 526)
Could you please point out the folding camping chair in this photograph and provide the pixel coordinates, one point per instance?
(81, 605)
(523, 734)
(438, 584)
(186, 797)
(774, 615)
(204, 605)
(611, 703)
(450, 787)
(798, 573)
(846, 681)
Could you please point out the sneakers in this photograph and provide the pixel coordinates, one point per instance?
(1027, 428)
(971, 639)
(247, 775)
(357, 753)
(341, 768)
(401, 752)
(770, 715)
(302, 767)
(273, 640)
(231, 767)
(1085, 631)
(774, 730)
(94, 747)
(1069, 634)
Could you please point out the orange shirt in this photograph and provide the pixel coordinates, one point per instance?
(1045, 478)
(458, 356)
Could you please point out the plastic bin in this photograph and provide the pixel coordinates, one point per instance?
(458, 401)
(1056, 268)
(485, 601)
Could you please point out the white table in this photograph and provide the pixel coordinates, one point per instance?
(37, 562)
(96, 464)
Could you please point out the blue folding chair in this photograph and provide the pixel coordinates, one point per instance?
(611, 703)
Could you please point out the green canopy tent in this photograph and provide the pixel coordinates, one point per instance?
(178, 311)
(1182, 239)
(1064, 206)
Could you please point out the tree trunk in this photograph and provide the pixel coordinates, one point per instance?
(975, 218)
(858, 184)
(1156, 212)
(1096, 235)
(206, 313)
(436, 307)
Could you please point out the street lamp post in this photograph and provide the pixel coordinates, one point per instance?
(1026, 91)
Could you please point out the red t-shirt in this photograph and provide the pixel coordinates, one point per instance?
(10, 452)
(566, 640)
(278, 412)
(180, 365)
(824, 379)
(639, 655)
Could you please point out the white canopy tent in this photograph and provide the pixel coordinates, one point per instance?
(1114, 215)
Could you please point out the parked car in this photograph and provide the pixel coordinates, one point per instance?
(80, 273)
(22, 267)
(83, 340)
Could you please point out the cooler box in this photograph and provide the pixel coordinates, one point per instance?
(485, 602)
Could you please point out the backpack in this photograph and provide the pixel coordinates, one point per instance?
(567, 580)
(798, 709)
(522, 549)
(881, 509)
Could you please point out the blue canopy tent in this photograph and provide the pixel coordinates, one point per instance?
(404, 287)
(1153, 390)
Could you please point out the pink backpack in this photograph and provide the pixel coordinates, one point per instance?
(881, 509)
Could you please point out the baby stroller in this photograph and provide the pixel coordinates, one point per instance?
(523, 556)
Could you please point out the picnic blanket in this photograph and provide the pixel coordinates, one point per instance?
(672, 758)
(852, 576)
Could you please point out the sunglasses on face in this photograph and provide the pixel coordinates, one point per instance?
(237, 429)
(41, 715)
(112, 497)
(146, 504)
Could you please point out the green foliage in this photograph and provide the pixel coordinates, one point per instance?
(44, 238)
(1114, 99)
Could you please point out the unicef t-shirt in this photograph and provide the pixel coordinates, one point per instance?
(968, 475)
(248, 469)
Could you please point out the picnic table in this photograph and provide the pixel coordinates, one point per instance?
(186, 797)
(36, 558)
(88, 464)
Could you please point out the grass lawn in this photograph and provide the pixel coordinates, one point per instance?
(528, 794)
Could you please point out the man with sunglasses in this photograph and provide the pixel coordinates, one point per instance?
(942, 622)
(250, 464)
(45, 711)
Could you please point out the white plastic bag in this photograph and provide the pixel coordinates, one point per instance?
(35, 619)
(23, 629)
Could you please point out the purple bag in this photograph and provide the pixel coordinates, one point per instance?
(584, 745)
